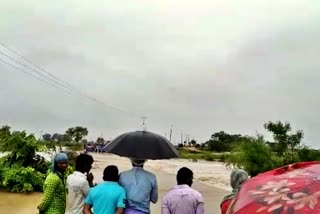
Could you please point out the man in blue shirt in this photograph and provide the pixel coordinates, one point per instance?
(141, 188)
(108, 197)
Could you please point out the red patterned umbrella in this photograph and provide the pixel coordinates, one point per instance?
(293, 189)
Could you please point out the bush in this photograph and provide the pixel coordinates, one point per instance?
(22, 170)
(180, 145)
(307, 154)
(219, 146)
(21, 179)
(254, 156)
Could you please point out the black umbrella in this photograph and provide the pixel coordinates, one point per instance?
(142, 145)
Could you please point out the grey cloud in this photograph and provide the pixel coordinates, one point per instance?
(202, 67)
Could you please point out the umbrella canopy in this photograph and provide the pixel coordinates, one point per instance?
(142, 145)
(293, 189)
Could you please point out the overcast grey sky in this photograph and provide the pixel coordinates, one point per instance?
(202, 66)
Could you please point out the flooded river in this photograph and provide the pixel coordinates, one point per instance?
(18, 203)
(212, 180)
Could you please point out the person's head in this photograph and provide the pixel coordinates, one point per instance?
(60, 162)
(238, 177)
(111, 173)
(185, 176)
(137, 162)
(84, 163)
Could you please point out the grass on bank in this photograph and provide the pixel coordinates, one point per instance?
(195, 154)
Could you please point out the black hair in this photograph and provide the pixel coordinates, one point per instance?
(184, 176)
(83, 161)
(111, 173)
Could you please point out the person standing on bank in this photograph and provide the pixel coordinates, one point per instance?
(54, 199)
(141, 188)
(79, 183)
(107, 197)
(182, 199)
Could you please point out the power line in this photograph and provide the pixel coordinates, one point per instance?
(19, 69)
(69, 88)
(38, 67)
(33, 70)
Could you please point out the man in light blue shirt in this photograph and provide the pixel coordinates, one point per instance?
(108, 197)
(141, 188)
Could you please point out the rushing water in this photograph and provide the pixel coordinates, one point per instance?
(19, 203)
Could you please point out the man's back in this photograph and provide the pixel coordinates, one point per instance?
(106, 198)
(78, 188)
(182, 200)
(141, 188)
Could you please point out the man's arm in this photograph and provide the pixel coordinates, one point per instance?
(154, 192)
(120, 210)
(200, 207)
(164, 207)
(51, 184)
(87, 209)
(88, 203)
(121, 202)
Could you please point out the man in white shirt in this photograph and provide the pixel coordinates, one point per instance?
(79, 184)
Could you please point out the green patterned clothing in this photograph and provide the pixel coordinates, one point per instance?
(54, 200)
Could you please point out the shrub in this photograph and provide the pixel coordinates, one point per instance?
(22, 170)
(254, 156)
(308, 154)
(21, 179)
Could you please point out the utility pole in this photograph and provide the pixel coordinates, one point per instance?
(144, 127)
(40, 138)
(170, 133)
(181, 137)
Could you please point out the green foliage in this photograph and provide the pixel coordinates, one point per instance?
(46, 137)
(193, 142)
(218, 146)
(254, 156)
(22, 170)
(77, 133)
(21, 179)
(307, 154)
(286, 142)
(201, 155)
(224, 142)
(100, 140)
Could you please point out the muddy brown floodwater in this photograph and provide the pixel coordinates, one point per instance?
(19, 203)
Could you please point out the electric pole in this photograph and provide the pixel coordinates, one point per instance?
(144, 127)
(170, 133)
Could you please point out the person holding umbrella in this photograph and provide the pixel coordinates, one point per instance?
(141, 185)
(141, 188)
(237, 178)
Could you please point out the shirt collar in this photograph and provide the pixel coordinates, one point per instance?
(183, 186)
(80, 174)
(110, 182)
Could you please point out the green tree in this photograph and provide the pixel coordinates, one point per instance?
(254, 156)
(222, 141)
(100, 140)
(5, 131)
(46, 137)
(193, 142)
(308, 154)
(77, 133)
(284, 139)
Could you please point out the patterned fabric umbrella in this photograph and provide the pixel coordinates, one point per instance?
(293, 189)
(142, 145)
